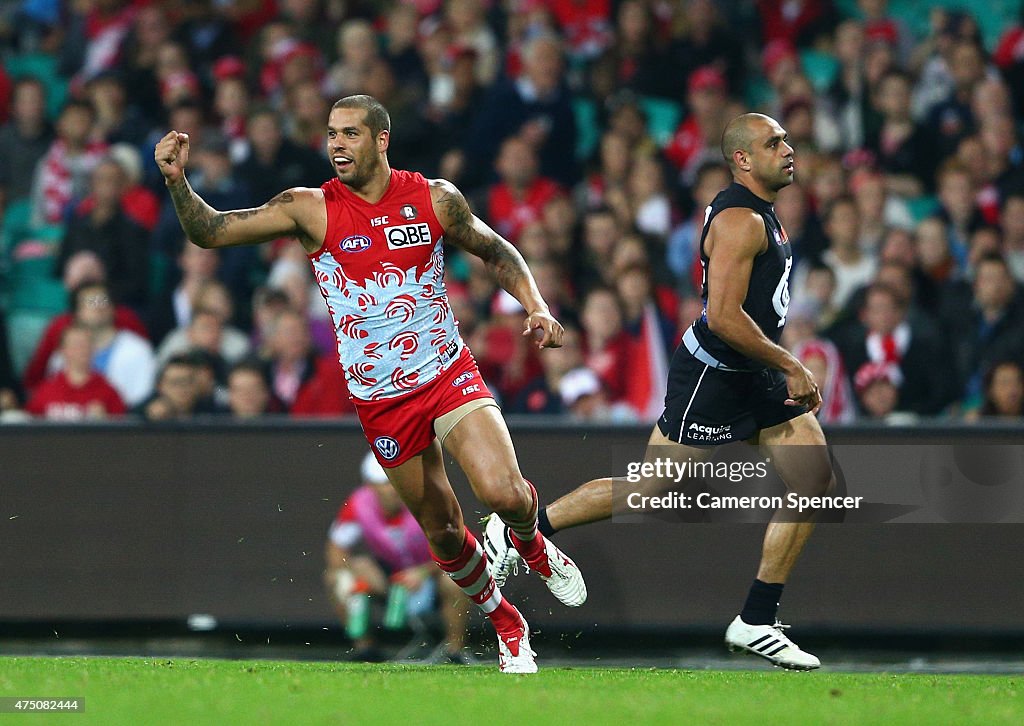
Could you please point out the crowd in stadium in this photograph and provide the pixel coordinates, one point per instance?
(586, 132)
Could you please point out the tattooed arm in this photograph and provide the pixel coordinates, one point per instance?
(290, 213)
(468, 232)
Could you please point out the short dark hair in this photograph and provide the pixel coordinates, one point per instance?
(377, 117)
(252, 364)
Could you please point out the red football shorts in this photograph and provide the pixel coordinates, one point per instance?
(399, 428)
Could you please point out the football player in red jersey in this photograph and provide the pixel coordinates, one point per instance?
(374, 236)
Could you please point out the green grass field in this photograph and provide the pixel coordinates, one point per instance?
(181, 691)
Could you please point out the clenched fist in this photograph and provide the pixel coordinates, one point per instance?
(171, 154)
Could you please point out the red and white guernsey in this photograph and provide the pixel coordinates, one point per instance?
(381, 272)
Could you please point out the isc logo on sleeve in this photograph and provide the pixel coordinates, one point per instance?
(408, 235)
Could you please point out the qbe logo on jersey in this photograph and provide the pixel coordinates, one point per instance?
(408, 235)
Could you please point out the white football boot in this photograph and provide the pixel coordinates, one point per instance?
(769, 642)
(566, 581)
(515, 654)
(502, 554)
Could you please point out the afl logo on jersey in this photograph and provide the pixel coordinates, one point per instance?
(408, 211)
(387, 447)
(355, 243)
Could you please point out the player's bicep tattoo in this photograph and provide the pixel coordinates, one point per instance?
(466, 231)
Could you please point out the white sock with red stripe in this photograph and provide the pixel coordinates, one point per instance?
(527, 539)
(471, 572)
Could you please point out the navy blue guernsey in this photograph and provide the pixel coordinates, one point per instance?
(768, 293)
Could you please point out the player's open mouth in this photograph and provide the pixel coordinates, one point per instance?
(342, 162)
(788, 167)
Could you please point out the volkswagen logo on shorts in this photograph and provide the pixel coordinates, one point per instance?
(386, 447)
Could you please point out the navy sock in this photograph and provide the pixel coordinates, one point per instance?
(762, 603)
(543, 524)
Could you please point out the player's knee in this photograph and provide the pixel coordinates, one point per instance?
(508, 494)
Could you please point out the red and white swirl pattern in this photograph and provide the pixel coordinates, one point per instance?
(385, 315)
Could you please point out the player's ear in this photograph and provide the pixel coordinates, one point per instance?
(739, 158)
(383, 139)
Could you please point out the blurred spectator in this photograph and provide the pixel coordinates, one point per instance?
(605, 346)
(151, 28)
(601, 232)
(10, 388)
(507, 359)
(823, 359)
(357, 50)
(610, 170)
(94, 35)
(104, 229)
(249, 391)
(81, 268)
(794, 211)
(177, 391)
(117, 120)
(542, 393)
(308, 108)
(697, 139)
(290, 272)
(585, 25)
(880, 25)
(63, 172)
(24, 139)
(206, 31)
(535, 106)
(450, 112)
(312, 21)
(640, 55)
(197, 266)
(325, 393)
(704, 38)
(231, 104)
(1009, 56)
(879, 209)
(651, 337)
(847, 95)
(585, 399)
(290, 356)
(652, 212)
(520, 194)
(878, 391)
(211, 376)
(904, 149)
(988, 327)
(137, 202)
(174, 75)
(1011, 222)
(951, 118)
(123, 357)
(401, 38)
(800, 21)
(883, 335)
(75, 392)
(958, 205)
(210, 330)
(1003, 389)
(267, 304)
(466, 20)
(851, 266)
(934, 254)
(375, 548)
(275, 163)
